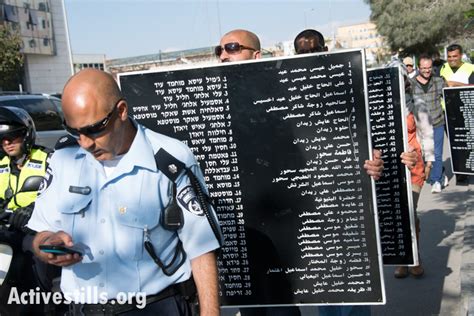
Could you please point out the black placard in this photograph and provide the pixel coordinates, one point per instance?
(282, 143)
(460, 120)
(394, 199)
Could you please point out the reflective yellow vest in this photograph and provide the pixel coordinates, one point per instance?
(446, 71)
(35, 165)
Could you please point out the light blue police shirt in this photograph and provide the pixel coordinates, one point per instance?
(110, 221)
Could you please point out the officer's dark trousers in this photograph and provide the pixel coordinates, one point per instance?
(21, 274)
(171, 306)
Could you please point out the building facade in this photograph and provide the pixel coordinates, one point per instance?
(42, 26)
(165, 61)
(362, 35)
(83, 61)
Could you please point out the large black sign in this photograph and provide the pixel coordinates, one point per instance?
(460, 119)
(394, 197)
(282, 143)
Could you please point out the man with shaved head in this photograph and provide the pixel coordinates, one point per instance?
(126, 206)
(238, 45)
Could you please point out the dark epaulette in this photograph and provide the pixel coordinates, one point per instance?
(66, 141)
(46, 150)
(168, 164)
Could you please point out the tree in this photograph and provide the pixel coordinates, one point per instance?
(470, 17)
(11, 59)
(418, 26)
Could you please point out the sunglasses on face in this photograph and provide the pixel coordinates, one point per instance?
(92, 130)
(11, 136)
(231, 48)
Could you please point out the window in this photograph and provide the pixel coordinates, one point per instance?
(32, 18)
(57, 104)
(11, 14)
(15, 26)
(32, 43)
(44, 113)
(45, 41)
(42, 6)
(43, 22)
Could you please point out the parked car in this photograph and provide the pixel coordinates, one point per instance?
(46, 112)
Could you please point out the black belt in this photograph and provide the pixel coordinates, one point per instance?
(112, 307)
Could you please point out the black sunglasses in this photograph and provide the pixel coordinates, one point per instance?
(13, 135)
(231, 48)
(92, 130)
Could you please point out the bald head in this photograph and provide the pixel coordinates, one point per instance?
(95, 110)
(249, 46)
(90, 85)
(250, 38)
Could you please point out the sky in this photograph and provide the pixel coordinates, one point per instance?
(120, 28)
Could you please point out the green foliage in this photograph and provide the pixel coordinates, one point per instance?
(469, 15)
(417, 26)
(11, 59)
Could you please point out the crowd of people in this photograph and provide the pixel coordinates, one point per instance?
(113, 191)
(426, 82)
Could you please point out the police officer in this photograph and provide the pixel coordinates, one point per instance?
(22, 168)
(22, 160)
(105, 197)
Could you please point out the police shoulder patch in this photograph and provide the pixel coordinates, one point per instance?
(188, 200)
(66, 141)
(48, 178)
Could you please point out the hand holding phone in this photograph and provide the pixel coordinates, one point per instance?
(59, 250)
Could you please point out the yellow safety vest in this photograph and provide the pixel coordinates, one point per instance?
(35, 165)
(446, 71)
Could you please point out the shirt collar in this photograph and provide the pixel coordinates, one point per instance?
(140, 153)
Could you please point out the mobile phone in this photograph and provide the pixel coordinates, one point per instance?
(59, 250)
